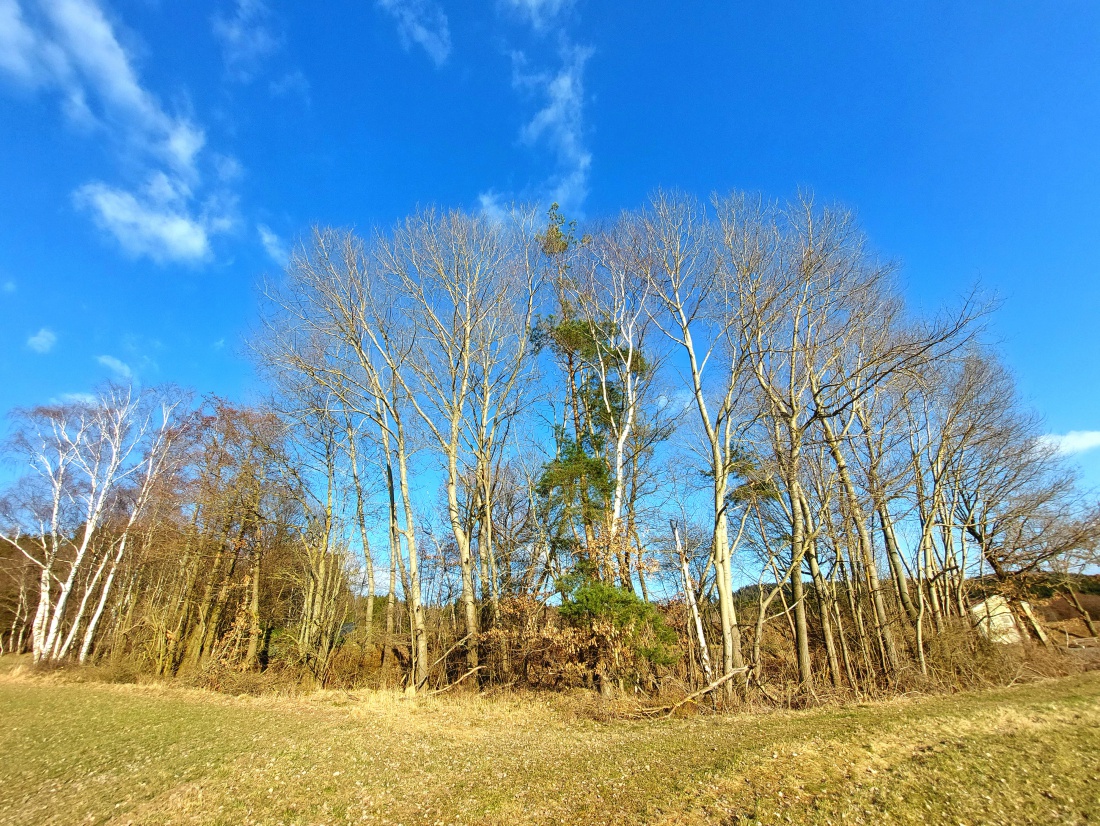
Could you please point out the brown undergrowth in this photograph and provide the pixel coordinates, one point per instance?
(955, 662)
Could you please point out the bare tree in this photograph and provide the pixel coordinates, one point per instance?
(695, 312)
(85, 459)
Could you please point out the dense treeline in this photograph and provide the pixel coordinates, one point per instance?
(698, 444)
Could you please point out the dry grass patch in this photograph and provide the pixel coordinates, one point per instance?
(76, 753)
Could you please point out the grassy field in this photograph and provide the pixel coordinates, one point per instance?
(92, 753)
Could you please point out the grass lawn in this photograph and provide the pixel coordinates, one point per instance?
(90, 753)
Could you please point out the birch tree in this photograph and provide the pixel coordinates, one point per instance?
(83, 459)
(697, 314)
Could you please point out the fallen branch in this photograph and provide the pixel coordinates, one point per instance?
(446, 654)
(670, 710)
(456, 682)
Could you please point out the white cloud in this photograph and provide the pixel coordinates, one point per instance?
(96, 63)
(24, 54)
(1076, 441)
(273, 245)
(152, 223)
(120, 368)
(538, 12)
(42, 341)
(70, 46)
(560, 123)
(227, 168)
(421, 22)
(247, 38)
(493, 206)
(18, 45)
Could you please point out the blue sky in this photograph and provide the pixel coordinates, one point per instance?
(156, 158)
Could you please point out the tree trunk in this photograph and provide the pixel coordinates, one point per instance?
(89, 634)
(866, 547)
(255, 630)
(1076, 604)
(689, 592)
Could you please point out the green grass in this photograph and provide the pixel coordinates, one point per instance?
(92, 753)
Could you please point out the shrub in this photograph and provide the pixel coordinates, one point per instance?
(626, 637)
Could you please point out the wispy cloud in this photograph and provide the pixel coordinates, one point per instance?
(539, 13)
(79, 398)
(227, 168)
(291, 84)
(8, 287)
(1074, 442)
(421, 22)
(85, 58)
(120, 368)
(493, 205)
(26, 55)
(273, 245)
(248, 38)
(560, 122)
(70, 46)
(42, 341)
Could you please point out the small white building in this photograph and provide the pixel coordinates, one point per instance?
(994, 618)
